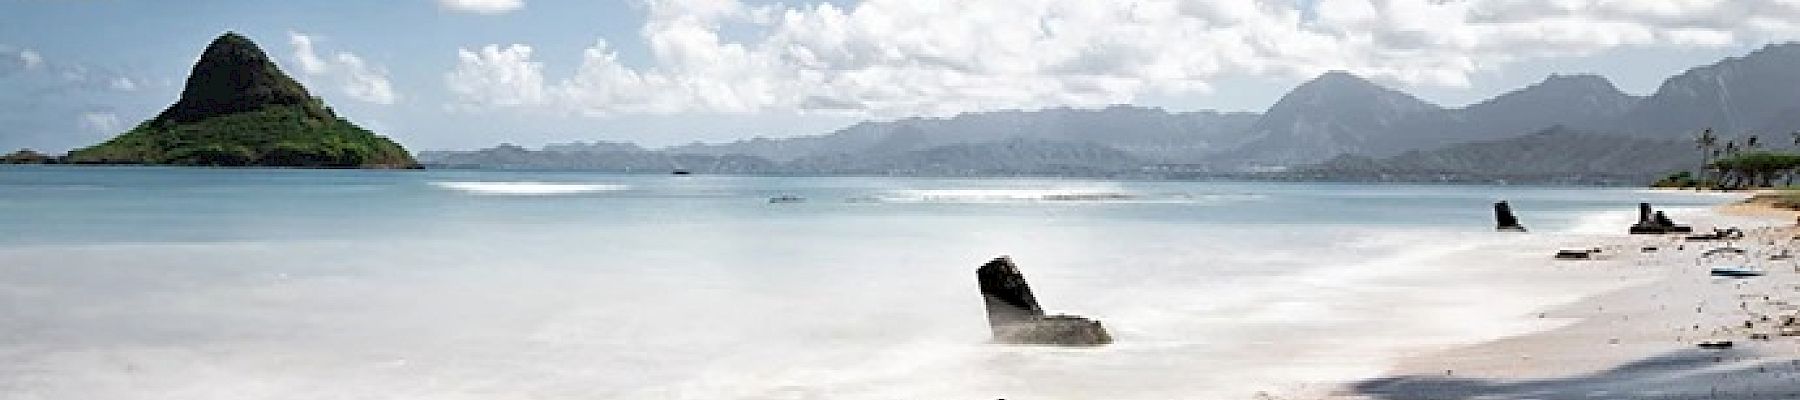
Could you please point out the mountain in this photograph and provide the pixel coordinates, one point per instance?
(239, 109)
(1333, 114)
(1339, 113)
(1147, 133)
(1554, 154)
(509, 156)
(593, 147)
(1583, 102)
(1756, 93)
(1006, 157)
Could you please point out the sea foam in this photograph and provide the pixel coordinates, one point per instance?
(1056, 195)
(528, 188)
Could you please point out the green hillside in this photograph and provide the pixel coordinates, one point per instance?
(239, 109)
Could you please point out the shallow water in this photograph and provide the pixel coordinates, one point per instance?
(153, 283)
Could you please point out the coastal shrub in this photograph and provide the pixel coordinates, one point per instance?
(1755, 169)
(1682, 179)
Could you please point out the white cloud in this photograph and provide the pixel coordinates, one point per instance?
(494, 76)
(31, 59)
(353, 76)
(310, 63)
(908, 57)
(103, 122)
(482, 6)
(124, 84)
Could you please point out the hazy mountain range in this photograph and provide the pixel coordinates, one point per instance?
(1557, 154)
(1335, 124)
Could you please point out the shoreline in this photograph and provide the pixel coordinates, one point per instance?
(1640, 341)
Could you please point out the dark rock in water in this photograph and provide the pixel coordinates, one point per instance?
(1662, 219)
(1651, 222)
(1009, 299)
(1066, 330)
(1015, 317)
(1505, 221)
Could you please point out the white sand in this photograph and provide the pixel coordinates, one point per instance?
(1639, 342)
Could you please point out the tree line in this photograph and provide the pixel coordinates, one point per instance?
(1738, 164)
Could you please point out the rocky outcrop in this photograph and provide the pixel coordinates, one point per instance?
(1504, 219)
(1651, 222)
(1015, 317)
(27, 156)
(239, 110)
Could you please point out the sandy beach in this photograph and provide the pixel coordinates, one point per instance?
(1642, 342)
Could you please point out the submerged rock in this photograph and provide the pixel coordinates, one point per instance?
(1504, 219)
(1016, 318)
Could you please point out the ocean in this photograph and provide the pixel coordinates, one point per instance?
(198, 284)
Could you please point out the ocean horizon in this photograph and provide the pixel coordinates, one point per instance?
(153, 283)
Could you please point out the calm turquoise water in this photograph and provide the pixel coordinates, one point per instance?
(153, 283)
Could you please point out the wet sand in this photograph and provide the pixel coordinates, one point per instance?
(1641, 342)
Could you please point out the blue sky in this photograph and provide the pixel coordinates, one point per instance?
(664, 72)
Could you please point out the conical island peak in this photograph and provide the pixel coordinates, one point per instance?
(238, 109)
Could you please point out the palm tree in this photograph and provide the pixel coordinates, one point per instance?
(1706, 142)
(1790, 173)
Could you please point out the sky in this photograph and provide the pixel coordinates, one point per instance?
(462, 74)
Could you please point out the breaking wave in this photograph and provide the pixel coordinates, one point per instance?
(1054, 196)
(528, 188)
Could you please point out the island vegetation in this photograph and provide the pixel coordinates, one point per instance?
(238, 109)
(1736, 165)
(27, 156)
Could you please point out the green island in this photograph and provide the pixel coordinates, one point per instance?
(239, 110)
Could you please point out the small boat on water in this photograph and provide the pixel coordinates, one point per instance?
(680, 172)
(786, 198)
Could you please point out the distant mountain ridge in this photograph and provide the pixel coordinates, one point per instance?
(1554, 154)
(1758, 92)
(1009, 157)
(1149, 132)
(1336, 114)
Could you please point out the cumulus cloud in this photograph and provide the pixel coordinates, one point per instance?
(482, 6)
(932, 57)
(352, 75)
(63, 77)
(495, 76)
(16, 59)
(31, 59)
(124, 84)
(103, 122)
